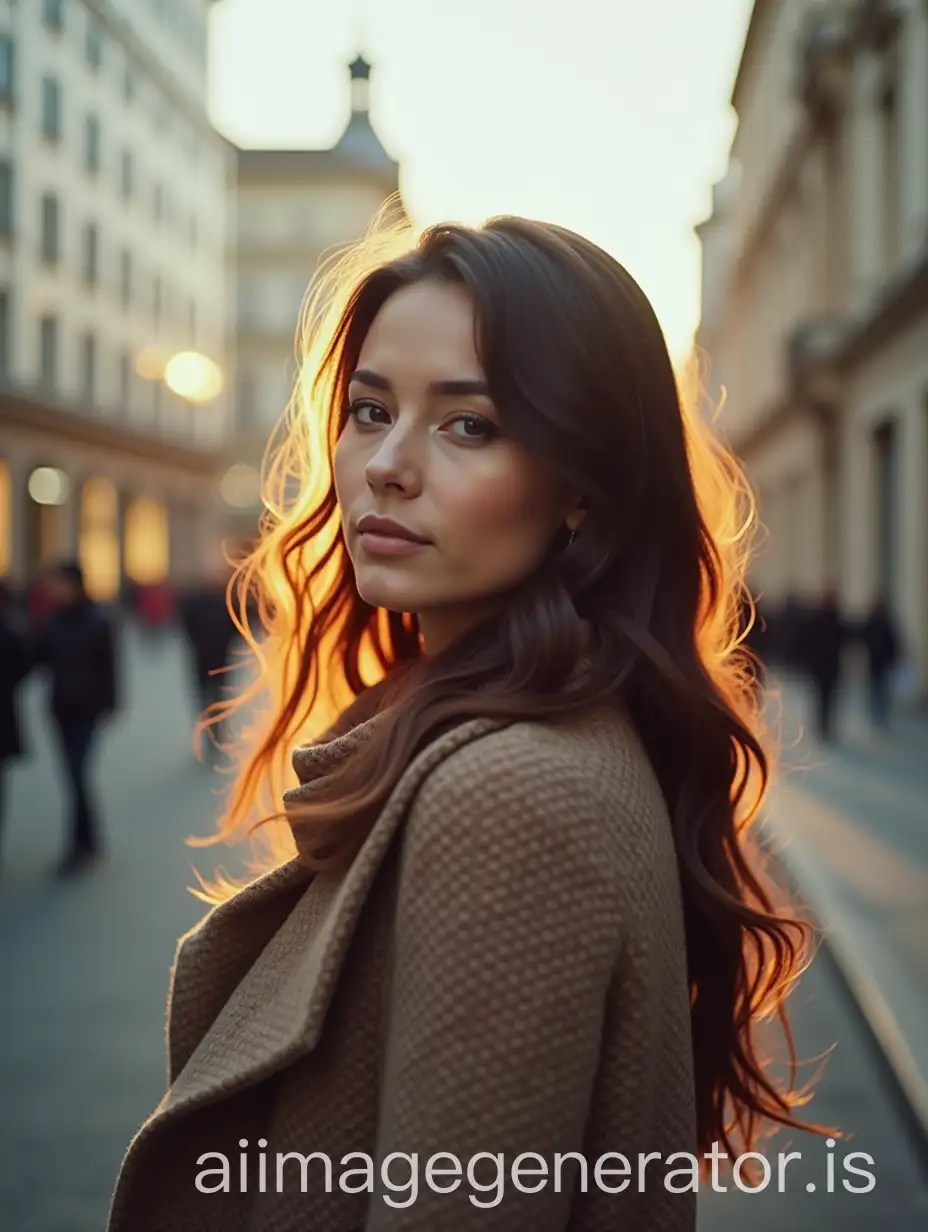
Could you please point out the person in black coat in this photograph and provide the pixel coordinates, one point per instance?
(822, 642)
(211, 634)
(76, 645)
(881, 642)
(14, 667)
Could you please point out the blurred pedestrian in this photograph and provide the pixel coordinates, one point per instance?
(14, 666)
(880, 638)
(790, 633)
(38, 599)
(821, 645)
(76, 645)
(211, 633)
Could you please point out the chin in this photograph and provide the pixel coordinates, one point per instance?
(390, 593)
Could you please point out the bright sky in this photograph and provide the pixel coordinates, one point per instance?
(610, 117)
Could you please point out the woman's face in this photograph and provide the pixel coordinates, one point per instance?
(423, 445)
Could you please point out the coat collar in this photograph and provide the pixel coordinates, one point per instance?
(276, 1012)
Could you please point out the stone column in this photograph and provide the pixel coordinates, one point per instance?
(857, 502)
(865, 179)
(914, 121)
(913, 530)
(813, 568)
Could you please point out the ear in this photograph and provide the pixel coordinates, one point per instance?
(576, 513)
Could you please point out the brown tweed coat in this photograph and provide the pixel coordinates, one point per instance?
(502, 970)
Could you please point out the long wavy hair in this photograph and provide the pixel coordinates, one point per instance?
(579, 371)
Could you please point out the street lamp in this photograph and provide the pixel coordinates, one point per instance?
(193, 376)
(48, 486)
(189, 374)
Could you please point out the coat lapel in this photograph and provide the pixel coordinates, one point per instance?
(277, 1011)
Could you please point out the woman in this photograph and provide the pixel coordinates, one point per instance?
(519, 917)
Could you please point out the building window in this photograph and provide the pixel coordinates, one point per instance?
(157, 298)
(51, 228)
(125, 277)
(94, 43)
(6, 324)
(125, 382)
(51, 108)
(6, 198)
(129, 84)
(91, 254)
(192, 319)
(7, 70)
(127, 174)
(890, 136)
(48, 351)
(53, 15)
(192, 230)
(92, 144)
(89, 368)
(158, 201)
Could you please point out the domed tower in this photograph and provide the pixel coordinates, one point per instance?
(359, 144)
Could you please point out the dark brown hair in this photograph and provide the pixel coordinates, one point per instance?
(579, 371)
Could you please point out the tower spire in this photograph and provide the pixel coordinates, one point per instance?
(360, 73)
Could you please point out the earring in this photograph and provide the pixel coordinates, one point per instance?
(573, 535)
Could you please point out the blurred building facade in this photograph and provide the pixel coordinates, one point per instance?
(815, 301)
(292, 206)
(115, 199)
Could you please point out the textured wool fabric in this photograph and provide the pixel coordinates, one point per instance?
(502, 970)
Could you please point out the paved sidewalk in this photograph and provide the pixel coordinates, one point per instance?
(850, 822)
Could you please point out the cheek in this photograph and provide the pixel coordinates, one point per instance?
(508, 512)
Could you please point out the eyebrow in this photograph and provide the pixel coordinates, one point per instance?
(456, 389)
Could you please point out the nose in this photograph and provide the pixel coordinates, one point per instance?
(395, 464)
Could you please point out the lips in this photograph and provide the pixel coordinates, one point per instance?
(388, 529)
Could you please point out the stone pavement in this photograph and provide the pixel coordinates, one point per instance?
(84, 969)
(851, 823)
(84, 965)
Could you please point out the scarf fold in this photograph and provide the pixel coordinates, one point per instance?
(314, 763)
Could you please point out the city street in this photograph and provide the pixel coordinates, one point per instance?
(84, 969)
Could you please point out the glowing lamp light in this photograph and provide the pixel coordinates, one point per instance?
(48, 486)
(240, 486)
(193, 376)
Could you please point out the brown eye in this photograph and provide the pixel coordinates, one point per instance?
(353, 411)
(479, 428)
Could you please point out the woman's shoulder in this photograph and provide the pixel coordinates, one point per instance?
(588, 769)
